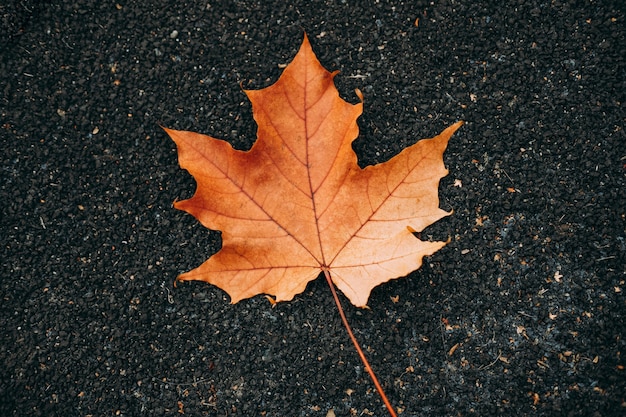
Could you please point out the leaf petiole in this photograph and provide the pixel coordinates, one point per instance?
(369, 369)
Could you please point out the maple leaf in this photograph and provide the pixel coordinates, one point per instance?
(297, 203)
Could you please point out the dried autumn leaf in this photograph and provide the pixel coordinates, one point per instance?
(297, 203)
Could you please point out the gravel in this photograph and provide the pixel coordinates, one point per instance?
(523, 313)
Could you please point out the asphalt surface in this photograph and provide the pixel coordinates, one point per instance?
(523, 313)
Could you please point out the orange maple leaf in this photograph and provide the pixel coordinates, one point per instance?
(297, 203)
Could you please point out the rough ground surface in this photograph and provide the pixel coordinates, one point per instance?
(522, 314)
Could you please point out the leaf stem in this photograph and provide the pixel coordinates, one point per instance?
(369, 369)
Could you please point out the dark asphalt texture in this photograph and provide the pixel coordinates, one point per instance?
(522, 314)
